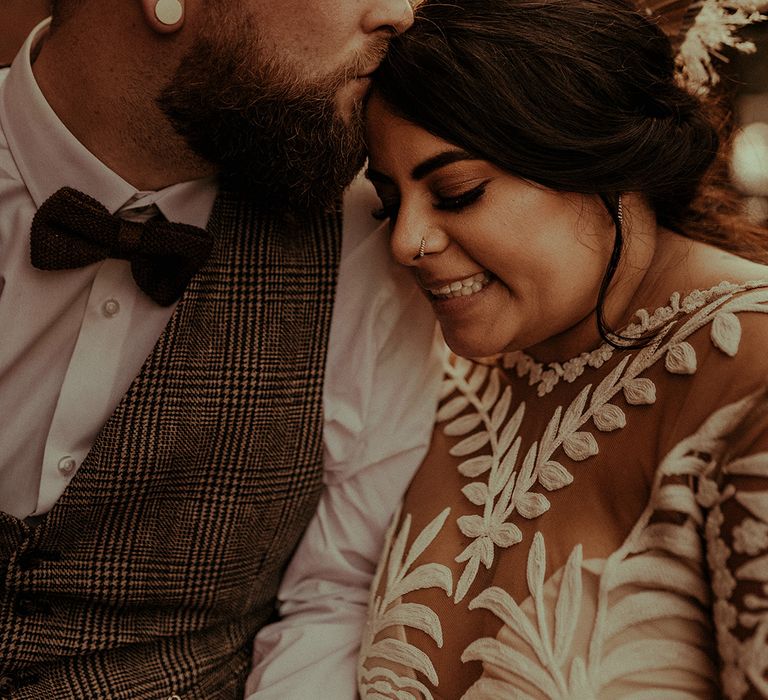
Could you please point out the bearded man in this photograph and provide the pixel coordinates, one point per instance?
(193, 325)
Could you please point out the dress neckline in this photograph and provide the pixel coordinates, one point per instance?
(547, 376)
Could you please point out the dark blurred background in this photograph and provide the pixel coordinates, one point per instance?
(750, 152)
(17, 17)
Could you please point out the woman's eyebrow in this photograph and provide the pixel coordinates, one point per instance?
(426, 167)
(440, 161)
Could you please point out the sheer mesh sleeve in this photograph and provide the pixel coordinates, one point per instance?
(736, 496)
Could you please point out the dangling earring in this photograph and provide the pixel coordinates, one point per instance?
(169, 12)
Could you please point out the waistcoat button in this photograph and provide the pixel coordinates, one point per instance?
(28, 605)
(32, 558)
(25, 606)
(7, 686)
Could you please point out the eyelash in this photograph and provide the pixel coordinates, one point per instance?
(454, 204)
(462, 200)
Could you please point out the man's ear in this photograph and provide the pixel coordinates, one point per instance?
(164, 16)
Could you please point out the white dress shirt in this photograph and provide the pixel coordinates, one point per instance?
(381, 391)
(72, 341)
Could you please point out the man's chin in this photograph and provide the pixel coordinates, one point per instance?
(296, 192)
(284, 144)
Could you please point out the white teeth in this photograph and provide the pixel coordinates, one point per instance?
(463, 288)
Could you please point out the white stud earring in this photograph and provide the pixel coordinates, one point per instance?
(169, 12)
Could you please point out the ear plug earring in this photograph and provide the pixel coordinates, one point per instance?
(169, 12)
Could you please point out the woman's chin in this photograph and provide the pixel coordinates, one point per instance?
(474, 348)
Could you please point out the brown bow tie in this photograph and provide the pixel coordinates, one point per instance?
(72, 230)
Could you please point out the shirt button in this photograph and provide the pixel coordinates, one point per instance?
(110, 308)
(67, 465)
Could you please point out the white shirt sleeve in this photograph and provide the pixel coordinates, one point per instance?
(381, 390)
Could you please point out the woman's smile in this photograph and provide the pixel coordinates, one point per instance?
(506, 263)
(461, 287)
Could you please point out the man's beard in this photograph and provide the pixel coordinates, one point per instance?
(277, 140)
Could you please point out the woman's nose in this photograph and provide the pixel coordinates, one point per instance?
(413, 240)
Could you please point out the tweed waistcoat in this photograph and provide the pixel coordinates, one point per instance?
(150, 576)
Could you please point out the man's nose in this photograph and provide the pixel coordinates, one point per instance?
(390, 15)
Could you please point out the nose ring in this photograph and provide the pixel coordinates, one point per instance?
(422, 247)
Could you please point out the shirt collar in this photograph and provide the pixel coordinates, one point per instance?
(49, 157)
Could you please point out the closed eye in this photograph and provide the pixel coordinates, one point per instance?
(460, 201)
(389, 210)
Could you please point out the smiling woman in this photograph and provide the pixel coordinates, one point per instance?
(555, 191)
(479, 220)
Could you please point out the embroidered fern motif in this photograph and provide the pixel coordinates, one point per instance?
(654, 578)
(747, 660)
(551, 650)
(673, 590)
(508, 486)
(387, 611)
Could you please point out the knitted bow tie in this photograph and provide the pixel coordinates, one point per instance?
(72, 230)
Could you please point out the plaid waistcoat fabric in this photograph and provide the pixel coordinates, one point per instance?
(150, 576)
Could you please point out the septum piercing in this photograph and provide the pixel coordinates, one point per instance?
(422, 247)
(169, 12)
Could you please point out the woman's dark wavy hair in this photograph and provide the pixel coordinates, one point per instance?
(577, 95)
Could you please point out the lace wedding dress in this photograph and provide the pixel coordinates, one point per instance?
(591, 529)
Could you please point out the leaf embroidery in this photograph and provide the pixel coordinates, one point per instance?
(726, 333)
(487, 426)
(531, 505)
(471, 444)
(652, 578)
(386, 610)
(476, 492)
(646, 324)
(553, 476)
(638, 392)
(550, 650)
(609, 417)
(580, 446)
(463, 425)
(452, 408)
(476, 466)
(681, 359)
